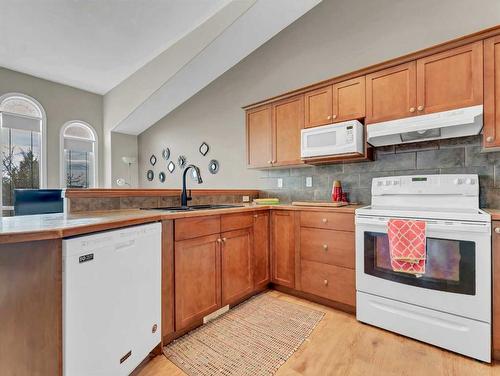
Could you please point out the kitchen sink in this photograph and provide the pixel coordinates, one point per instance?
(195, 207)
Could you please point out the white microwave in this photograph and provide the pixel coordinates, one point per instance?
(333, 139)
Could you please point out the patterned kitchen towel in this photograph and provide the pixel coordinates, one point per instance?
(407, 245)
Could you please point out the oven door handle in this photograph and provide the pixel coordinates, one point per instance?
(433, 225)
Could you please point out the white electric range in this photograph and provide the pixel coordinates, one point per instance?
(450, 305)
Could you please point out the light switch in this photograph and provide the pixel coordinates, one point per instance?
(280, 183)
(309, 181)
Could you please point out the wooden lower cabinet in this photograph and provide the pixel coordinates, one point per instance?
(197, 279)
(261, 261)
(329, 281)
(283, 248)
(496, 287)
(236, 265)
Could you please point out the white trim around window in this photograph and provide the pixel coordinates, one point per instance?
(76, 141)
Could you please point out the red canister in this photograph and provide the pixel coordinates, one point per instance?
(336, 191)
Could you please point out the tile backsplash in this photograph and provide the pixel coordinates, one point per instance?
(453, 156)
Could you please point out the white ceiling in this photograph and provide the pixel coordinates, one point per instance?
(94, 45)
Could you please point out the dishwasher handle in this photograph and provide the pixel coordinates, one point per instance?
(124, 245)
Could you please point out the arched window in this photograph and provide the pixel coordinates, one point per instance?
(79, 155)
(23, 124)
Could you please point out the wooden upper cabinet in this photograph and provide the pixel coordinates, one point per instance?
(349, 100)
(288, 120)
(450, 79)
(391, 93)
(318, 107)
(259, 137)
(197, 279)
(491, 132)
(283, 248)
(261, 249)
(236, 264)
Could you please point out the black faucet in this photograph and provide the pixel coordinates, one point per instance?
(184, 196)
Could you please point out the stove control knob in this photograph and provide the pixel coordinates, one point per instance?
(457, 181)
(469, 181)
(387, 182)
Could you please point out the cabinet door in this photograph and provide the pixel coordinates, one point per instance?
(391, 93)
(450, 79)
(261, 270)
(491, 132)
(237, 268)
(318, 107)
(496, 288)
(283, 248)
(259, 137)
(197, 279)
(349, 99)
(288, 120)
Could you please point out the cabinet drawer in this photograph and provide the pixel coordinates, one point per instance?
(188, 228)
(230, 222)
(329, 281)
(327, 220)
(327, 246)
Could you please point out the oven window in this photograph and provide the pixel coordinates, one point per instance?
(450, 264)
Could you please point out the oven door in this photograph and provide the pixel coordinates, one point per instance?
(458, 267)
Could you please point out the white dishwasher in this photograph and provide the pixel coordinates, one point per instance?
(111, 300)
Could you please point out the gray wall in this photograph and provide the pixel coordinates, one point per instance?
(336, 37)
(123, 145)
(62, 104)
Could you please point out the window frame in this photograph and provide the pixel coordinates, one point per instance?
(43, 141)
(62, 167)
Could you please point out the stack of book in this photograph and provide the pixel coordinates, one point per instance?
(267, 201)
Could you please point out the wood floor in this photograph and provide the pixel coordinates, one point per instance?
(340, 345)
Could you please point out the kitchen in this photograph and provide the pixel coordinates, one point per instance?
(181, 210)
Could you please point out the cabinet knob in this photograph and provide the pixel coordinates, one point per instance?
(329, 117)
(269, 162)
(412, 109)
(219, 240)
(324, 220)
(256, 216)
(420, 108)
(325, 246)
(273, 161)
(489, 138)
(334, 116)
(325, 282)
(497, 230)
(224, 239)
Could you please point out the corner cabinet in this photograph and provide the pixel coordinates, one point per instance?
(491, 132)
(259, 135)
(273, 133)
(283, 248)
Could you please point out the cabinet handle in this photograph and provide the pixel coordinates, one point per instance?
(324, 220)
(269, 162)
(325, 282)
(224, 239)
(412, 109)
(256, 216)
(219, 240)
(329, 117)
(497, 230)
(489, 138)
(334, 116)
(325, 246)
(420, 108)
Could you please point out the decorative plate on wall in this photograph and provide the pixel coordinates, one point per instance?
(171, 167)
(152, 160)
(213, 166)
(165, 154)
(150, 175)
(161, 176)
(181, 161)
(204, 148)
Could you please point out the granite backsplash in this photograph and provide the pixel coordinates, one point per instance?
(453, 156)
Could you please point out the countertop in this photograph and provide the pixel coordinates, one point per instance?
(60, 225)
(495, 214)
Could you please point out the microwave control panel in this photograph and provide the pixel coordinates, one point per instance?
(349, 134)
